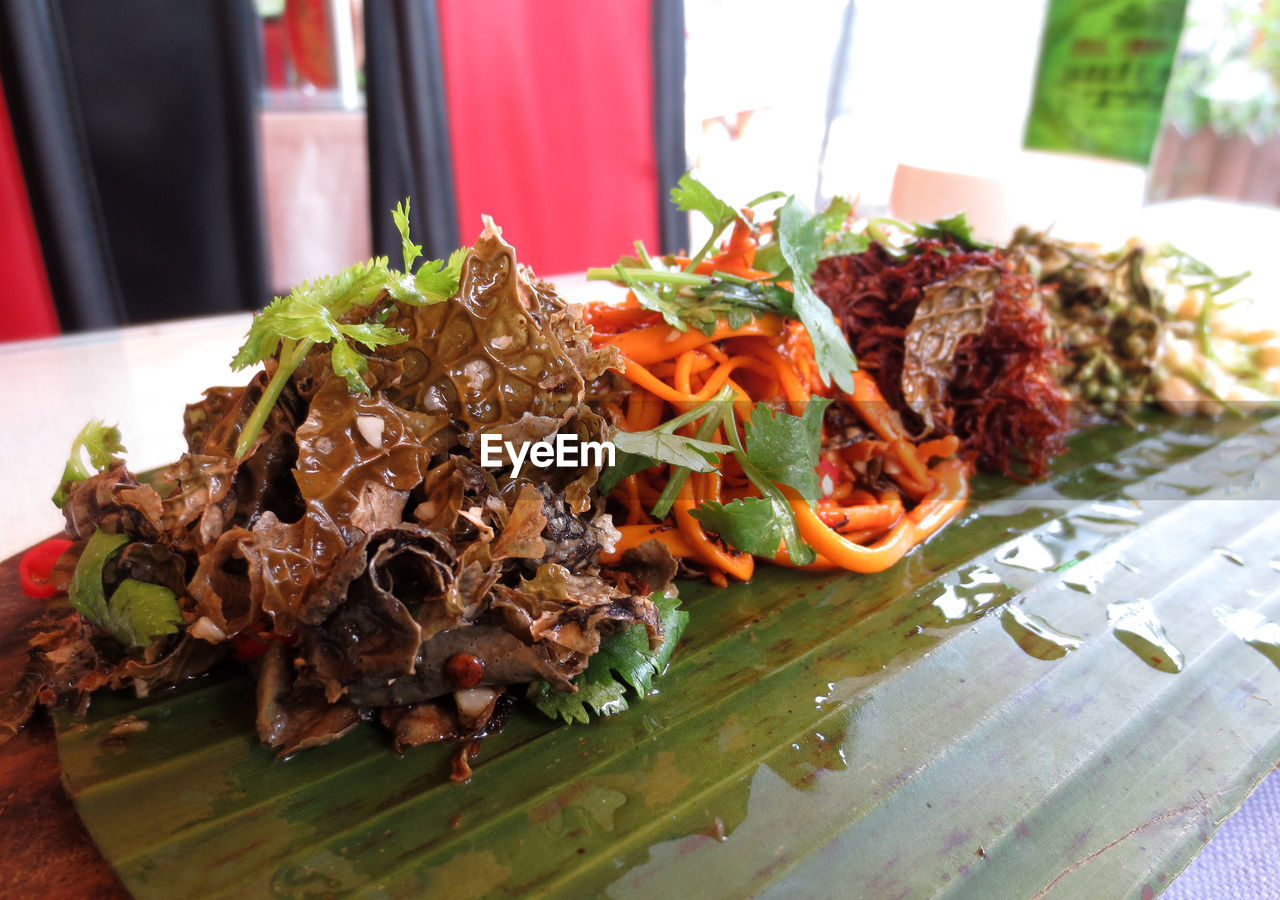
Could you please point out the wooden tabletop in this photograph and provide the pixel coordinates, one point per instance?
(45, 851)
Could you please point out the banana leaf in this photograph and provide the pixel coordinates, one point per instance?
(999, 715)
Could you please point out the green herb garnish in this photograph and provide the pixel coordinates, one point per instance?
(312, 315)
(100, 443)
(136, 612)
(779, 449)
(623, 661)
(687, 299)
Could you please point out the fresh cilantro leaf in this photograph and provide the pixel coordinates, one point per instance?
(845, 243)
(312, 314)
(800, 237)
(956, 227)
(437, 280)
(638, 450)
(411, 251)
(652, 298)
(622, 660)
(836, 214)
(751, 524)
(691, 195)
(136, 612)
(779, 449)
(691, 300)
(100, 443)
(784, 448)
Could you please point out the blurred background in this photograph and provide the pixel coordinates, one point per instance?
(161, 160)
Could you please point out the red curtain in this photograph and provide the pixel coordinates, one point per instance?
(551, 125)
(28, 310)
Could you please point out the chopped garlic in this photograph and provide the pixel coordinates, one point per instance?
(206, 630)
(371, 427)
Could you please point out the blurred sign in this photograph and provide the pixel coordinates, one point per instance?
(1104, 66)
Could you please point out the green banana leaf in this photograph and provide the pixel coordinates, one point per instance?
(999, 715)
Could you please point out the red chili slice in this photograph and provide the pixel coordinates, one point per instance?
(36, 567)
(250, 645)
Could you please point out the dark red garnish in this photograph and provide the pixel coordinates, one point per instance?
(1004, 400)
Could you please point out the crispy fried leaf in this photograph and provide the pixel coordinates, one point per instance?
(624, 660)
(949, 311)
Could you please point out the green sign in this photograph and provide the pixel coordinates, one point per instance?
(1104, 66)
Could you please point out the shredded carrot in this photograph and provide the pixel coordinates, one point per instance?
(861, 524)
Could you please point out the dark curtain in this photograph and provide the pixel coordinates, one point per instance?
(136, 121)
(668, 112)
(409, 151)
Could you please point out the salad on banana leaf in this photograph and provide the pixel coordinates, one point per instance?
(331, 523)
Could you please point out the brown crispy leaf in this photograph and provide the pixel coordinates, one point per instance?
(948, 312)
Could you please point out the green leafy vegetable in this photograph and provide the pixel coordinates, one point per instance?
(312, 315)
(757, 461)
(136, 612)
(784, 448)
(638, 450)
(97, 441)
(800, 237)
(411, 251)
(623, 661)
(687, 299)
(691, 195)
(956, 227)
(751, 524)
(690, 300)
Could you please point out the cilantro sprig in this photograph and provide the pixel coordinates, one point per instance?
(313, 314)
(622, 661)
(91, 451)
(688, 299)
(775, 450)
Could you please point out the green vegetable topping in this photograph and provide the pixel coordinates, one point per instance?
(801, 237)
(779, 449)
(100, 443)
(623, 660)
(687, 299)
(638, 450)
(956, 227)
(136, 612)
(312, 315)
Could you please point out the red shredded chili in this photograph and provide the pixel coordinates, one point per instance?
(36, 568)
(1003, 399)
